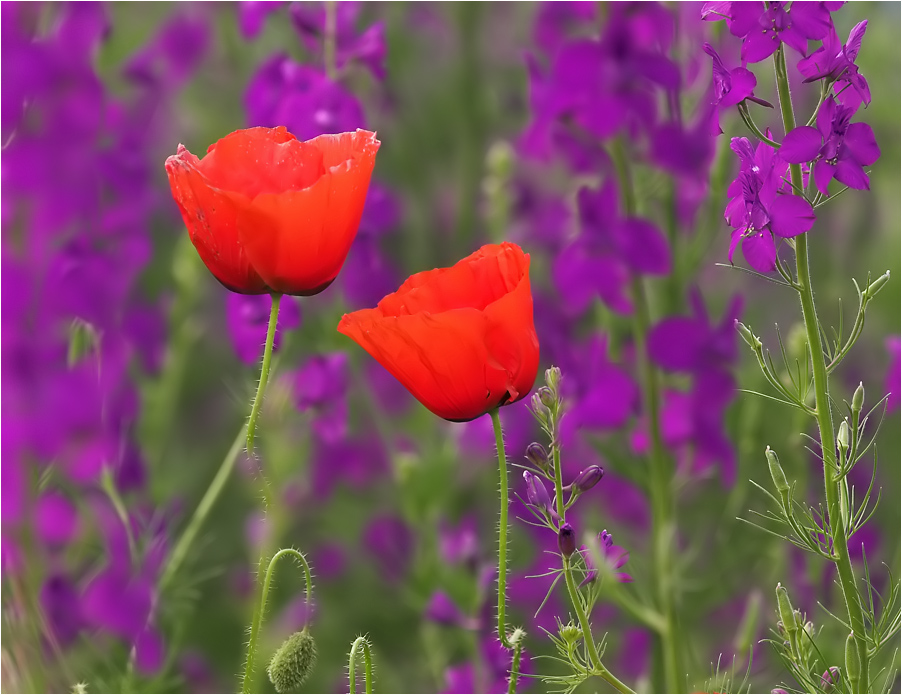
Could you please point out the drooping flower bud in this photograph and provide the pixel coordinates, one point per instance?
(858, 398)
(536, 492)
(587, 479)
(293, 662)
(853, 664)
(776, 472)
(566, 540)
(784, 607)
(831, 678)
(537, 456)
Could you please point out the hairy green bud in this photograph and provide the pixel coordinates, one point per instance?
(553, 378)
(853, 665)
(784, 607)
(293, 662)
(776, 472)
(842, 438)
(570, 633)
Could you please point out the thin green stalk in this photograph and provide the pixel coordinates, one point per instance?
(660, 469)
(264, 370)
(261, 609)
(599, 667)
(824, 415)
(360, 643)
(186, 540)
(502, 532)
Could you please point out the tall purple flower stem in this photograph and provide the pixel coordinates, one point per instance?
(824, 416)
(660, 473)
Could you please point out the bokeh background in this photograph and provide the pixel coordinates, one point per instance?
(128, 371)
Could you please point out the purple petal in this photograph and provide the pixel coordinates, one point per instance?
(861, 143)
(853, 45)
(149, 651)
(643, 246)
(790, 215)
(851, 174)
(759, 45)
(811, 19)
(760, 252)
(823, 175)
(742, 84)
(675, 343)
(801, 145)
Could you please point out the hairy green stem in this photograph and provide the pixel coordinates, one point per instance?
(360, 644)
(502, 532)
(264, 370)
(186, 540)
(824, 415)
(251, 656)
(599, 667)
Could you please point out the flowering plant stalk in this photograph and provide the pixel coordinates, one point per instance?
(839, 150)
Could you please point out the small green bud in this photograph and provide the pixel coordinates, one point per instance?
(553, 378)
(570, 633)
(876, 286)
(776, 472)
(747, 335)
(500, 159)
(842, 438)
(858, 398)
(292, 663)
(83, 339)
(853, 665)
(784, 607)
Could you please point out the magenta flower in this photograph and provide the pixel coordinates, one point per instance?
(840, 150)
(836, 62)
(763, 29)
(731, 87)
(760, 208)
(614, 558)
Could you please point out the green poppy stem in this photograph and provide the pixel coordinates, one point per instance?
(264, 371)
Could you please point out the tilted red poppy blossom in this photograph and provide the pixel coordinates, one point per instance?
(460, 339)
(269, 213)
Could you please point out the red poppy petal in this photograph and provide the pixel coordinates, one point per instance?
(211, 219)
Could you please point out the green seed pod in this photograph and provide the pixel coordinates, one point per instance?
(858, 398)
(292, 663)
(853, 665)
(784, 607)
(776, 472)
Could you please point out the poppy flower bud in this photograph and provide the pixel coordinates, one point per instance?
(853, 665)
(858, 398)
(293, 662)
(536, 492)
(566, 540)
(537, 456)
(784, 607)
(876, 286)
(547, 397)
(776, 472)
(831, 678)
(587, 479)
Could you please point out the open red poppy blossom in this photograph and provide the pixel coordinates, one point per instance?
(269, 213)
(461, 339)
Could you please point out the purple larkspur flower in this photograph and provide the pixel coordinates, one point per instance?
(613, 556)
(57, 518)
(763, 28)
(367, 47)
(458, 543)
(608, 252)
(247, 320)
(352, 461)
(536, 493)
(836, 62)
(252, 15)
(731, 87)
(839, 149)
(174, 53)
(442, 609)
(303, 99)
(61, 605)
(893, 373)
(759, 207)
(685, 151)
(557, 22)
(390, 542)
(320, 385)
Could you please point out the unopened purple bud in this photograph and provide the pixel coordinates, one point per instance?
(588, 479)
(830, 679)
(779, 691)
(536, 492)
(537, 456)
(546, 396)
(566, 540)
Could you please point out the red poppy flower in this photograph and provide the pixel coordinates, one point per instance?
(269, 213)
(461, 339)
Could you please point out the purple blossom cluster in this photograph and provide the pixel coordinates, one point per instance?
(79, 196)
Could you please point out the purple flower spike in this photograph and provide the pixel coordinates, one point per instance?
(442, 610)
(840, 149)
(614, 558)
(836, 62)
(731, 87)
